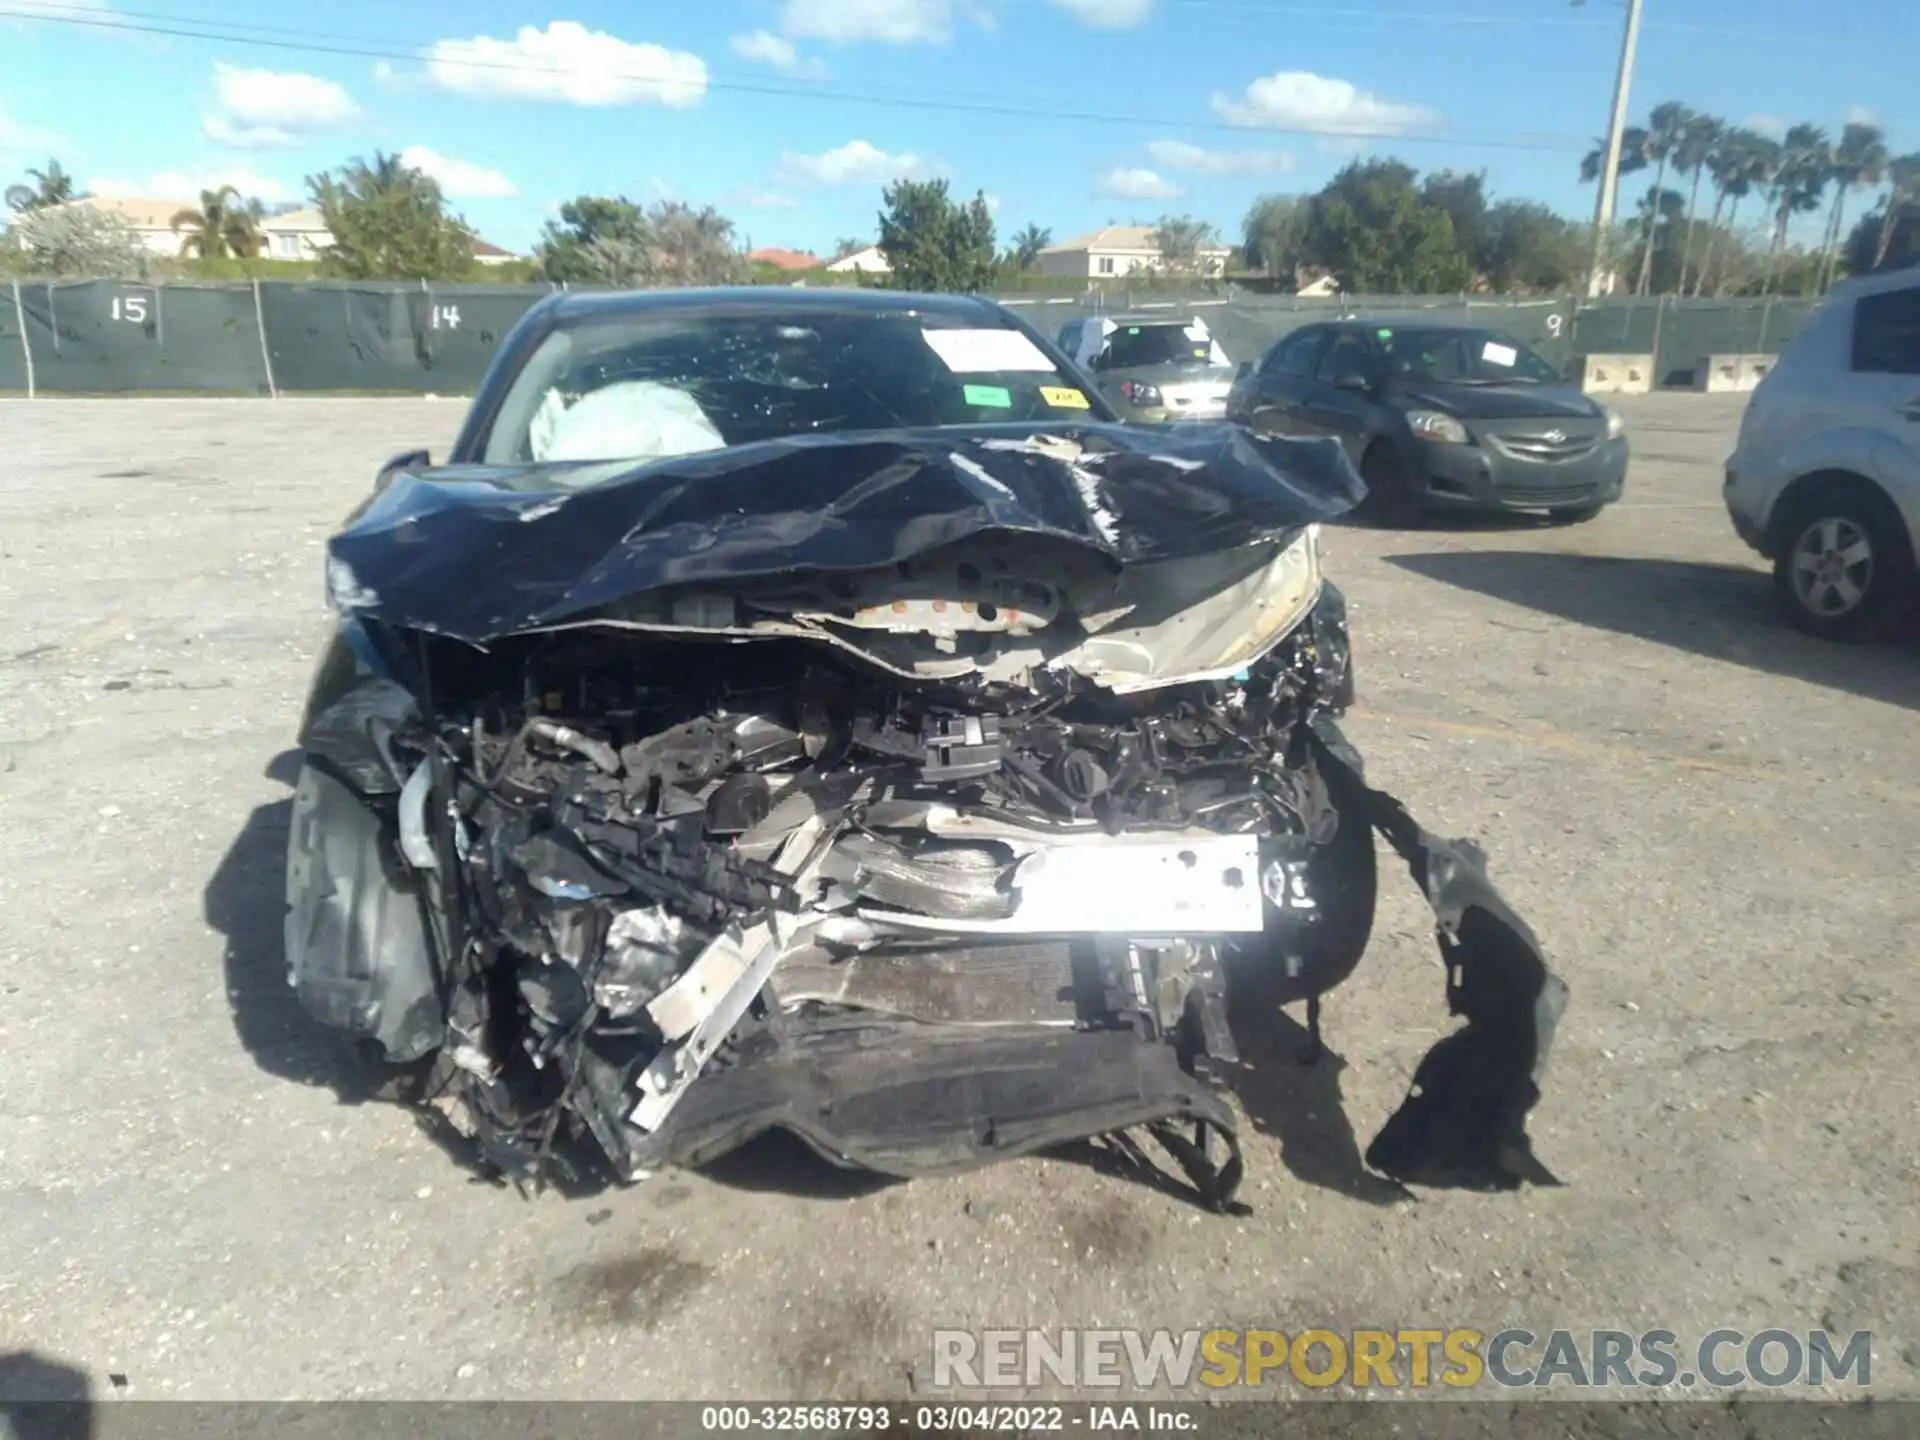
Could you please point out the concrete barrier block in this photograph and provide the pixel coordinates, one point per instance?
(1614, 374)
(1730, 374)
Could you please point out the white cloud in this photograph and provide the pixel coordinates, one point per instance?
(779, 53)
(1861, 115)
(855, 163)
(891, 22)
(1107, 14)
(186, 185)
(1772, 126)
(755, 199)
(1136, 184)
(1179, 155)
(269, 109)
(1301, 100)
(568, 63)
(993, 202)
(459, 179)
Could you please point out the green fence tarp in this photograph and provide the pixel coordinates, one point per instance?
(368, 336)
(103, 336)
(13, 358)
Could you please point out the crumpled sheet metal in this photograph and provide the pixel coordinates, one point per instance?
(1464, 1121)
(478, 552)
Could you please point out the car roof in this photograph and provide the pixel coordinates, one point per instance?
(577, 306)
(1162, 317)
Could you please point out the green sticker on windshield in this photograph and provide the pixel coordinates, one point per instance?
(1384, 334)
(991, 395)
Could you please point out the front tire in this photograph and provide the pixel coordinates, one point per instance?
(1391, 502)
(1843, 562)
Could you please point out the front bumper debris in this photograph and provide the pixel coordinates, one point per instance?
(627, 869)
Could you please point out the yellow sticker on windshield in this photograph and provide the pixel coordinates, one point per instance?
(1064, 397)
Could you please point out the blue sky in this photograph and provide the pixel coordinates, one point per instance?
(790, 115)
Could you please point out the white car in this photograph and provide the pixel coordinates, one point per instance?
(1825, 479)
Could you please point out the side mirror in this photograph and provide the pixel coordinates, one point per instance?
(1246, 369)
(406, 460)
(1353, 381)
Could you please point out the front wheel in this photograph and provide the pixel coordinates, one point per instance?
(1844, 564)
(1391, 500)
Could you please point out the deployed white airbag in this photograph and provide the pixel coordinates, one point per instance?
(628, 420)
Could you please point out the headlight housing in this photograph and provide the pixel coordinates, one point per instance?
(1435, 426)
(1138, 392)
(1616, 427)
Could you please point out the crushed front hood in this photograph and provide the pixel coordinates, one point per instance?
(479, 552)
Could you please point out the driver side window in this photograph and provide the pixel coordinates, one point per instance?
(1294, 355)
(1348, 357)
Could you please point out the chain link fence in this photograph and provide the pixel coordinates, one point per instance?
(104, 337)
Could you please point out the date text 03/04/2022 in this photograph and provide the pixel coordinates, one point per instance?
(939, 1419)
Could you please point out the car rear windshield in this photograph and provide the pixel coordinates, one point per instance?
(1133, 345)
(1466, 357)
(645, 387)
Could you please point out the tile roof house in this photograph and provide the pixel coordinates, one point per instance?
(783, 259)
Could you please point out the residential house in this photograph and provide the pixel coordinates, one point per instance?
(869, 261)
(486, 253)
(783, 259)
(296, 235)
(1116, 250)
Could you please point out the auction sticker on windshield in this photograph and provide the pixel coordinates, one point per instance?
(1064, 397)
(995, 397)
(977, 352)
(1497, 354)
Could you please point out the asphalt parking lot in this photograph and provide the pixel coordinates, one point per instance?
(1709, 820)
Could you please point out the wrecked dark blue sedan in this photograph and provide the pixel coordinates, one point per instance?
(814, 711)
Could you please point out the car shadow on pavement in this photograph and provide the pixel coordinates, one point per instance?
(246, 901)
(1300, 1105)
(45, 1399)
(1723, 612)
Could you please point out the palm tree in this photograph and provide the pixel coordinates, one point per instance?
(1799, 182)
(1859, 160)
(1028, 244)
(223, 225)
(51, 186)
(1665, 128)
(1699, 139)
(1745, 163)
(1903, 175)
(1633, 156)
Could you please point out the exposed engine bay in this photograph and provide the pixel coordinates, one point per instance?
(931, 864)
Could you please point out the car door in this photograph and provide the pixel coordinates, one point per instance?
(1279, 390)
(1885, 379)
(1339, 399)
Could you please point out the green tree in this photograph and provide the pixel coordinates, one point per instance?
(1529, 248)
(389, 221)
(1633, 156)
(585, 219)
(1859, 161)
(1028, 244)
(1271, 233)
(933, 243)
(1372, 231)
(1889, 236)
(1463, 195)
(51, 186)
(1903, 200)
(1181, 241)
(77, 240)
(1657, 220)
(223, 225)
